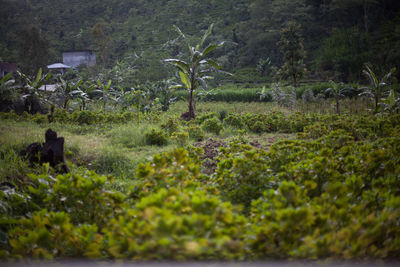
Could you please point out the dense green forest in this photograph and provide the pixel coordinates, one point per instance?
(339, 35)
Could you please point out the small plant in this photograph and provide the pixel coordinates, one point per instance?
(180, 138)
(284, 97)
(6, 91)
(212, 125)
(68, 90)
(337, 90)
(391, 103)
(31, 88)
(377, 86)
(195, 132)
(222, 115)
(156, 137)
(170, 126)
(235, 120)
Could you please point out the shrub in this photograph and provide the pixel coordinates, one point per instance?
(177, 224)
(235, 120)
(180, 138)
(170, 169)
(242, 177)
(47, 235)
(212, 125)
(156, 137)
(201, 118)
(170, 126)
(195, 132)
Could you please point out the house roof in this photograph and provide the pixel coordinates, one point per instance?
(49, 87)
(58, 66)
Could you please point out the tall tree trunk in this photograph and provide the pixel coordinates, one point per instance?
(192, 114)
(337, 105)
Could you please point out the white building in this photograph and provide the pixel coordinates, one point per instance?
(76, 58)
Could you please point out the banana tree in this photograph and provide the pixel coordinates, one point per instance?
(68, 90)
(31, 87)
(391, 103)
(377, 86)
(7, 92)
(106, 91)
(83, 95)
(195, 71)
(338, 91)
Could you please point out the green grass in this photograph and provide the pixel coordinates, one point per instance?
(117, 149)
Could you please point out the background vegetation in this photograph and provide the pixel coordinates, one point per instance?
(339, 35)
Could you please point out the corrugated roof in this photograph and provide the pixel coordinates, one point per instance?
(58, 66)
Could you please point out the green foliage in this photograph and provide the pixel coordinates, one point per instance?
(196, 133)
(344, 53)
(202, 118)
(156, 137)
(84, 117)
(112, 160)
(235, 120)
(181, 138)
(285, 97)
(244, 177)
(177, 224)
(196, 70)
(377, 85)
(170, 126)
(6, 90)
(175, 168)
(47, 235)
(292, 48)
(68, 90)
(212, 125)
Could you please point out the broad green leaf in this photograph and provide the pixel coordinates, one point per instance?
(213, 64)
(180, 64)
(185, 79)
(39, 76)
(205, 36)
(211, 48)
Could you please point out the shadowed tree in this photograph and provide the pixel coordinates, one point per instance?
(33, 51)
(291, 46)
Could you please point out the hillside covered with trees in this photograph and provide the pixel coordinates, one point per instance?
(339, 36)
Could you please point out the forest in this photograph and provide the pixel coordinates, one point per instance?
(249, 130)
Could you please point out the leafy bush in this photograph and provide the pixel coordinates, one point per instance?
(180, 138)
(195, 132)
(203, 117)
(242, 177)
(156, 137)
(234, 120)
(177, 224)
(170, 169)
(212, 125)
(170, 126)
(47, 235)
